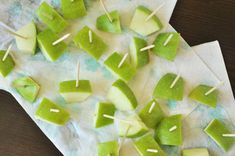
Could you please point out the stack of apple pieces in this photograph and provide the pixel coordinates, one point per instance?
(51, 18)
(169, 131)
(101, 110)
(72, 93)
(27, 88)
(196, 152)
(93, 44)
(163, 89)
(199, 94)
(167, 45)
(52, 113)
(216, 130)
(126, 72)
(7, 65)
(104, 24)
(110, 148)
(73, 9)
(141, 25)
(147, 146)
(46, 38)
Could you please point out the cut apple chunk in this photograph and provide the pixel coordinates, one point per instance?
(215, 130)
(146, 146)
(101, 109)
(169, 131)
(134, 129)
(73, 9)
(51, 18)
(143, 27)
(196, 152)
(95, 48)
(104, 24)
(122, 96)
(27, 88)
(163, 89)
(73, 94)
(151, 114)
(52, 113)
(164, 49)
(7, 65)
(199, 94)
(29, 43)
(108, 148)
(126, 72)
(50, 51)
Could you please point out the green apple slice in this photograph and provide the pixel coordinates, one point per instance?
(198, 94)
(95, 48)
(122, 96)
(51, 18)
(45, 41)
(73, 94)
(138, 58)
(27, 45)
(52, 113)
(168, 51)
(164, 136)
(108, 148)
(7, 65)
(196, 152)
(103, 23)
(143, 27)
(126, 72)
(134, 129)
(101, 109)
(215, 130)
(163, 88)
(146, 143)
(27, 88)
(151, 114)
(73, 9)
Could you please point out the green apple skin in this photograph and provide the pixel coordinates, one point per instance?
(27, 88)
(215, 130)
(73, 10)
(6, 66)
(96, 48)
(136, 129)
(103, 23)
(164, 136)
(122, 96)
(152, 119)
(169, 51)
(142, 27)
(101, 109)
(45, 40)
(163, 90)
(29, 44)
(198, 94)
(138, 58)
(73, 94)
(196, 152)
(147, 142)
(58, 118)
(51, 18)
(108, 148)
(126, 72)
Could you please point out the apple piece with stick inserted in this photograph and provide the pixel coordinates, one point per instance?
(73, 9)
(7, 63)
(195, 152)
(109, 148)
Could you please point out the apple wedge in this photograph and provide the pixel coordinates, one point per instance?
(7, 65)
(108, 148)
(196, 152)
(73, 9)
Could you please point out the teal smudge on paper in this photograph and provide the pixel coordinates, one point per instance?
(171, 104)
(171, 150)
(107, 74)
(15, 9)
(55, 3)
(218, 112)
(91, 64)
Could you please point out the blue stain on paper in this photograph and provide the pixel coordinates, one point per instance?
(15, 9)
(91, 64)
(108, 75)
(171, 104)
(218, 112)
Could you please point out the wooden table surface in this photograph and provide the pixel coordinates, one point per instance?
(198, 21)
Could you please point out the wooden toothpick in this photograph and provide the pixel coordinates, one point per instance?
(124, 138)
(11, 30)
(48, 16)
(61, 39)
(106, 11)
(114, 118)
(172, 128)
(228, 135)
(214, 88)
(168, 39)
(152, 150)
(154, 12)
(90, 36)
(123, 60)
(152, 106)
(54, 110)
(175, 81)
(7, 53)
(78, 73)
(147, 48)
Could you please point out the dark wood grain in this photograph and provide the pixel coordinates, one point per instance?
(198, 21)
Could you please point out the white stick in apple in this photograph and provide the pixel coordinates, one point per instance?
(11, 30)
(124, 138)
(147, 48)
(123, 60)
(154, 12)
(106, 11)
(7, 53)
(175, 80)
(152, 150)
(114, 118)
(152, 106)
(90, 36)
(172, 128)
(61, 39)
(168, 40)
(48, 16)
(228, 135)
(78, 73)
(54, 110)
(214, 88)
